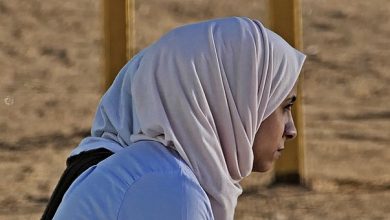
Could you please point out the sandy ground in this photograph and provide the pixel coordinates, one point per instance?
(51, 76)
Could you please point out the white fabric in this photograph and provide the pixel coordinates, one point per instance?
(202, 89)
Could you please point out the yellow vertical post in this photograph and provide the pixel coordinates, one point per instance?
(286, 20)
(118, 36)
(130, 28)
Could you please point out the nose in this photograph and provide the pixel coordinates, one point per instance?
(290, 131)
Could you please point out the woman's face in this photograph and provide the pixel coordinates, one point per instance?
(273, 132)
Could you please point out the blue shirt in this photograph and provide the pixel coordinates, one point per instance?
(144, 181)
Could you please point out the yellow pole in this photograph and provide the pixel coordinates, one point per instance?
(118, 36)
(130, 28)
(286, 20)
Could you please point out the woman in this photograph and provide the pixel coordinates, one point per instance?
(187, 119)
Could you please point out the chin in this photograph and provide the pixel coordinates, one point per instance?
(261, 168)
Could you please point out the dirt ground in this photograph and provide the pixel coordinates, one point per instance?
(51, 80)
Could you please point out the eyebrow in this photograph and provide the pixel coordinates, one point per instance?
(291, 99)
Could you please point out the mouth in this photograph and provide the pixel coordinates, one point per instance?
(278, 152)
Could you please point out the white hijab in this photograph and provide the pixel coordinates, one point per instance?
(202, 89)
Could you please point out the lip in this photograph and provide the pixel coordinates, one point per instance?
(277, 154)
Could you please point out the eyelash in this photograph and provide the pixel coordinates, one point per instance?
(289, 106)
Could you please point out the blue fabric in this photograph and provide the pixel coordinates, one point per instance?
(143, 181)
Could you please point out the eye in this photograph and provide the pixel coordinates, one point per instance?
(288, 107)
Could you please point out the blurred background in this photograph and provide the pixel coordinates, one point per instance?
(51, 79)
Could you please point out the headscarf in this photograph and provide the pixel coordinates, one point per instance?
(202, 89)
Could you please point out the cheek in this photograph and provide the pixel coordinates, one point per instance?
(268, 139)
(270, 132)
(276, 128)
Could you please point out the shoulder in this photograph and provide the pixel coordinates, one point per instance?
(141, 159)
(143, 181)
(165, 195)
(162, 187)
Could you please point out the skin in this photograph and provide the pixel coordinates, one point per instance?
(272, 134)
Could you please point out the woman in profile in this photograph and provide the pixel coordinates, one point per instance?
(185, 121)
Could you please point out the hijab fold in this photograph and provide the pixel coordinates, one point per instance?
(202, 89)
